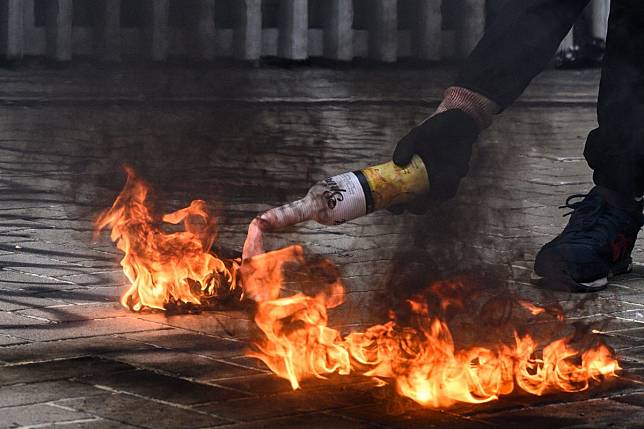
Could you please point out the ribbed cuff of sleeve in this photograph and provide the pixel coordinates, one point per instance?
(479, 107)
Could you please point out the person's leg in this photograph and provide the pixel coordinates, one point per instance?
(615, 150)
(581, 31)
(587, 45)
(602, 230)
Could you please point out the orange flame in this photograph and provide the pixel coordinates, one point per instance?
(262, 274)
(165, 267)
(420, 357)
(535, 310)
(423, 360)
(298, 342)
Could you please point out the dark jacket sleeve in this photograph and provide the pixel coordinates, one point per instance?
(517, 46)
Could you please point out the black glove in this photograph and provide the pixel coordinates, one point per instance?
(444, 143)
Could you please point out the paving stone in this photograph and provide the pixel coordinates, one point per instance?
(594, 413)
(621, 341)
(635, 316)
(16, 325)
(600, 305)
(612, 325)
(257, 384)
(74, 313)
(66, 254)
(10, 238)
(59, 167)
(59, 237)
(191, 342)
(43, 331)
(9, 340)
(96, 279)
(96, 423)
(152, 385)
(142, 412)
(213, 323)
(86, 295)
(310, 421)
(188, 365)
(250, 363)
(38, 414)
(32, 393)
(395, 416)
(16, 280)
(68, 348)
(637, 298)
(520, 399)
(634, 399)
(12, 301)
(59, 369)
(302, 401)
(29, 263)
(635, 352)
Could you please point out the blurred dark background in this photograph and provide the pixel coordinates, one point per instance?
(248, 30)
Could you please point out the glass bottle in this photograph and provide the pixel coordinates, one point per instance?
(341, 198)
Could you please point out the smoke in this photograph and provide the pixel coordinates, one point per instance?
(487, 237)
(243, 158)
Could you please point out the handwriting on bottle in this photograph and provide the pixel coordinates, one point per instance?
(334, 193)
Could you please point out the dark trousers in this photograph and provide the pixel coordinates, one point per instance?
(615, 150)
(520, 44)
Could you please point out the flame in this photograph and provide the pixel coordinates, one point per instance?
(262, 274)
(165, 267)
(298, 341)
(419, 358)
(535, 310)
(418, 355)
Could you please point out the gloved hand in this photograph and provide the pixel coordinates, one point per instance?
(444, 143)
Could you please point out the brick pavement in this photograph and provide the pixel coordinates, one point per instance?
(72, 357)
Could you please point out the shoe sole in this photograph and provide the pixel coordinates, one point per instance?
(596, 285)
(561, 276)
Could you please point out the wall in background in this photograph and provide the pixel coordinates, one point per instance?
(382, 30)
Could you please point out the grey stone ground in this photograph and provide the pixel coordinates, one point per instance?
(244, 140)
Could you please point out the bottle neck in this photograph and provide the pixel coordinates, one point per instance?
(290, 214)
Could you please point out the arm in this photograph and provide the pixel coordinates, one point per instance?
(517, 47)
(512, 52)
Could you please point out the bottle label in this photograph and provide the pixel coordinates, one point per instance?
(344, 198)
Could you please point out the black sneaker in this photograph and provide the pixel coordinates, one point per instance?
(596, 243)
(585, 56)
